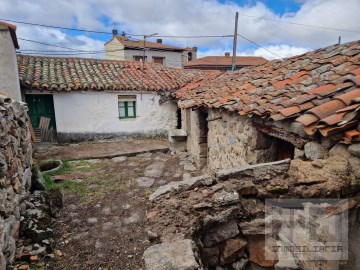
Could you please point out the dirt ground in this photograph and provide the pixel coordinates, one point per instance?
(103, 222)
(92, 150)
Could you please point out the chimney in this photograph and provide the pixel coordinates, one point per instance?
(227, 54)
(9, 75)
(114, 32)
(159, 40)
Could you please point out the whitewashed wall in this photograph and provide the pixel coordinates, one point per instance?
(172, 59)
(9, 75)
(114, 50)
(94, 115)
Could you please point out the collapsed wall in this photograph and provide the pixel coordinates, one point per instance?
(15, 172)
(218, 222)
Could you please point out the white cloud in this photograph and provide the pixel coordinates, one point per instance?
(282, 50)
(188, 17)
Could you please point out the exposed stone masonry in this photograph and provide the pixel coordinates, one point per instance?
(15, 172)
(233, 141)
(224, 214)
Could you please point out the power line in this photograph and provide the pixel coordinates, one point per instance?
(215, 36)
(110, 33)
(46, 44)
(253, 42)
(57, 27)
(301, 24)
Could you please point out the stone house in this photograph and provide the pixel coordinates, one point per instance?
(92, 99)
(126, 48)
(303, 107)
(224, 63)
(283, 131)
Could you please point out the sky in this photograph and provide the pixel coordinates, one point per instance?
(187, 18)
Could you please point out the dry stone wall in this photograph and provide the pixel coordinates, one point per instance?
(15, 172)
(224, 214)
(233, 142)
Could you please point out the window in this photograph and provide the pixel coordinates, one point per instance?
(127, 107)
(139, 58)
(158, 60)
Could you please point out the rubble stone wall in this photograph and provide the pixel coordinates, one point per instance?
(224, 215)
(15, 172)
(233, 142)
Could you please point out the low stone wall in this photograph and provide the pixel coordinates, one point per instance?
(233, 141)
(221, 218)
(15, 173)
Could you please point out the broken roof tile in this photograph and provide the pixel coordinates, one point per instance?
(327, 109)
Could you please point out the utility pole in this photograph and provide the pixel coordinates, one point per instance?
(143, 63)
(235, 41)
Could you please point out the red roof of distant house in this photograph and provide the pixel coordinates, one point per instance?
(320, 89)
(225, 61)
(12, 29)
(139, 44)
(66, 74)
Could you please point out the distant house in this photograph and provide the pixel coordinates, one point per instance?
(224, 63)
(125, 48)
(97, 99)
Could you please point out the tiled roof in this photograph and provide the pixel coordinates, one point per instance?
(66, 74)
(128, 42)
(320, 89)
(220, 61)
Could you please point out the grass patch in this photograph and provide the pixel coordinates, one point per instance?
(91, 187)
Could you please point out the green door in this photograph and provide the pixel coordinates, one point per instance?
(41, 105)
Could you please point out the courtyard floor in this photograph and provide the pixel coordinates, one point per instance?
(103, 222)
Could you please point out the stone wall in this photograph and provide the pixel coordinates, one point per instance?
(222, 217)
(233, 142)
(15, 172)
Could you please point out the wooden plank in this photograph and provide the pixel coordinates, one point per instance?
(44, 123)
(33, 137)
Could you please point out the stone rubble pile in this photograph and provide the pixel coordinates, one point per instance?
(223, 216)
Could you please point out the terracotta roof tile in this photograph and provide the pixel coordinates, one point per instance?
(224, 61)
(69, 74)
(315, 89)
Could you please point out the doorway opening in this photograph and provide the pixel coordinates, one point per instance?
(284, 150)
(203, 137)
(42, 116)
(178, 114)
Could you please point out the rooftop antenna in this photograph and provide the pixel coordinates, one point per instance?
(114, 31)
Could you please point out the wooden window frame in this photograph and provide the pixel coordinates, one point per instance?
(159, 57)
(140, 57)
(128, 105)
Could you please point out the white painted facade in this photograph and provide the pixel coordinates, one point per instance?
(93, 115)
(114, 50)
(9, 75)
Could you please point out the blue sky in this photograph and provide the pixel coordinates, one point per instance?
(188, 17)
